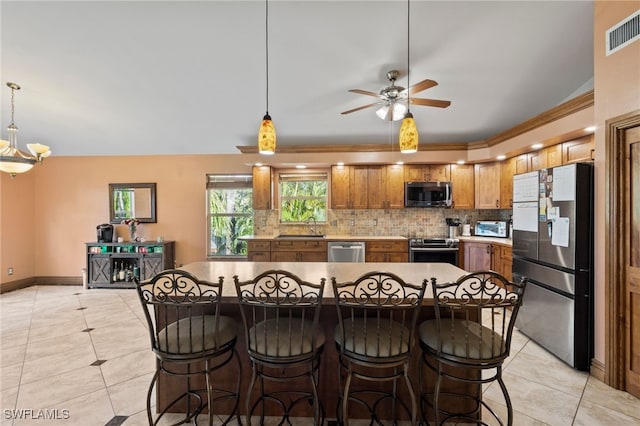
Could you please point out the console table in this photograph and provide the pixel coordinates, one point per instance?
(147, 259)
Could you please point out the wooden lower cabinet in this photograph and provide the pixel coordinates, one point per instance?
(298, 251)
(259, 251)
(480, 256)
(386, 251)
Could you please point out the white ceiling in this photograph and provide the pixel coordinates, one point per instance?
(181, 77)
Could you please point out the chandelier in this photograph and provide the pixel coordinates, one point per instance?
(12, 160)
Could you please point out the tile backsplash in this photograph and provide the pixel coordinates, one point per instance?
(413, 222)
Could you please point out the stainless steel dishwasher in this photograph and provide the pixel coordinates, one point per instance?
(345, 251)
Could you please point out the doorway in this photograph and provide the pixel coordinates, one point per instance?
(622, 265)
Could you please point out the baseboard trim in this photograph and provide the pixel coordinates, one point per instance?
(28, 282)
(597, 370)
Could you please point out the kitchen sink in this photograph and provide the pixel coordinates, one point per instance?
(301, 236)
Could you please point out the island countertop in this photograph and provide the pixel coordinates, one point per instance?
(413, 273)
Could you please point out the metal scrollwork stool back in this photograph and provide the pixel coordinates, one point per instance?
(190, 337)
(377, 315)
(467, 342)
(281, 312)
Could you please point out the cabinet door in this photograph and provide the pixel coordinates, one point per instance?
(261, 187)
(374, 257)
(578, 150)
(416, 172)
(358, 188)
(376, 194)
(284, 256)
(462, 186)
(312, 256)
(477, 256)
(506, 262)
(397, 257)
(340, 186)
(99, 269)
(394, 186)
(537, 160)
(151, 266)
(259, 251)
(487, 184)
(553, 156)
(507, 170)
(439, 173)
(521, 164)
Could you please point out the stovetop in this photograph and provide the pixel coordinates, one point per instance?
(433, 242)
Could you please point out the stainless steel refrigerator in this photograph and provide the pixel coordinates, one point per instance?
(553, 247)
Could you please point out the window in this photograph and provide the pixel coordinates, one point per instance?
(229, 214)
(302, 197)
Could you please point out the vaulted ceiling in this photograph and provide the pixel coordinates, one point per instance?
(182, 77)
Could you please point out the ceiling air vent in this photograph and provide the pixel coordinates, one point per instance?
(623, 33)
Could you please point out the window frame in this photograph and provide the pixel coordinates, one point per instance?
(302, 172)
(246, 182)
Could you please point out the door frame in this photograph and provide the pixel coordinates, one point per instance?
(615, 269)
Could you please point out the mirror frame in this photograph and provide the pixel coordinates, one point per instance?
(152, 190)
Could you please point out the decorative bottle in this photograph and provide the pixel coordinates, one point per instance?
(122, 272)
(116, 272)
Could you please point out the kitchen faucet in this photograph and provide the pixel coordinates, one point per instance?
(315, 225)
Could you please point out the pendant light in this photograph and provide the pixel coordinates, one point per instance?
(267, 132)
(408, 138)
(12, 160)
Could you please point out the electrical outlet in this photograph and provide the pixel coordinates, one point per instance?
(10, 271)
(352, 223)
(374, 222)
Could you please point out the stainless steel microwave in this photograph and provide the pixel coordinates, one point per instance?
(427, 194)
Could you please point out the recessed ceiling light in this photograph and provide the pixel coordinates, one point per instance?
(301, 166)
(590, 129)
(258, 164)
(399, 163)
(460, 162)
(536, 146)
(340, 164)
(501, 157)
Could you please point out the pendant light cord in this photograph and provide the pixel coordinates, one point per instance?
(408, 50)
(266, 26)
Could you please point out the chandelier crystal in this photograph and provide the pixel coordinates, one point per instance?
(13, 160)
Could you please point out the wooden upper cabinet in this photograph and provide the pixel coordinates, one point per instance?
(262, 193)
(376, 188)
(487, 185)
(521, 163)
(578, 150)
(552, 156)
(358, 187)
(462, 186)
(394, 185)
(427, 173)
(340, 187)
(507, 170)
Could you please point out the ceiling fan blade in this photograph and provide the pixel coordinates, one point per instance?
(430, 102)
(364, 92)
(422, 85)
(359, 108)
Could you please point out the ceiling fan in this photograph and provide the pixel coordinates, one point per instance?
(392, 101)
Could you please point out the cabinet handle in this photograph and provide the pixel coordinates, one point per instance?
(497, 203)
(511, 202)
(488, 249)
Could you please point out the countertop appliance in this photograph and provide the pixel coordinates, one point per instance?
(345, 251)
(104, 233)
(492, 228)
(433, 250)
(553, 247)
(427, 194)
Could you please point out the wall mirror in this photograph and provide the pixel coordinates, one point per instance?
(132, 200)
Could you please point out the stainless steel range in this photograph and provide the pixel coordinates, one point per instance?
(434, 250)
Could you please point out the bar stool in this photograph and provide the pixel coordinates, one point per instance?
(469, 338)
(280, 312)
(189, 337)
(377, 315)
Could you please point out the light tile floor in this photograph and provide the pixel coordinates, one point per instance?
(84, 354)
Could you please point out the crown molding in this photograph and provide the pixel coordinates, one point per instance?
(569, 107)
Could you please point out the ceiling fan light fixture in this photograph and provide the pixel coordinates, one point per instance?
(267, 136)
(398, 111)
(408, 139)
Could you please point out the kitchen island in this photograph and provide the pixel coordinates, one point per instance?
(169, 387)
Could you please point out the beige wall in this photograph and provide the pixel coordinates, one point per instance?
(617, 92)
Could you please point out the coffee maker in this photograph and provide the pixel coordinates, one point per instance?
(104, 233)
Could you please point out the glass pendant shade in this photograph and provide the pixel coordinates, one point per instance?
(39, 151)
(408, 139)
(267, 136)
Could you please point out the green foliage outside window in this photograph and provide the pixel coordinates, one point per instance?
(303, 197)
(230, 217)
